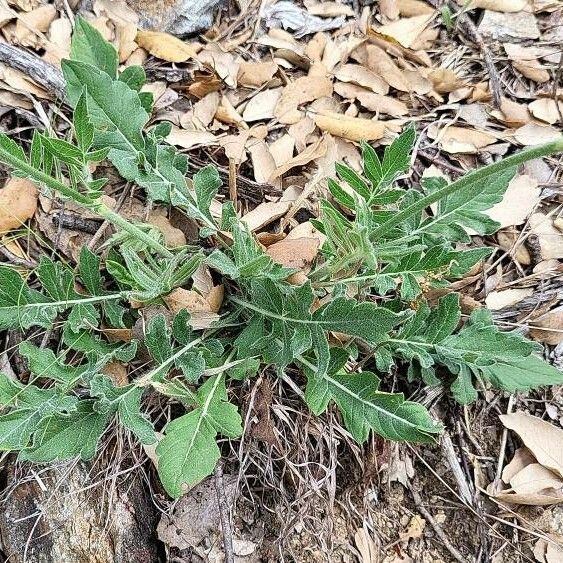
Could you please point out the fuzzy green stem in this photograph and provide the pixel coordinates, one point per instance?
(479, 175)
(105, 212)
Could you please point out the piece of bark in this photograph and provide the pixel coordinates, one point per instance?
(65, 515)
(179, 17)
(45, 74)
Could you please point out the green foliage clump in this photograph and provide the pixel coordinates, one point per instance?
(383, 248)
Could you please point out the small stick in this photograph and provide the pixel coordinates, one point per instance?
(224, 513)
(17, 260)
(436, 527)
(503, 441)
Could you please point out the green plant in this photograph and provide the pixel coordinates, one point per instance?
(383, 248)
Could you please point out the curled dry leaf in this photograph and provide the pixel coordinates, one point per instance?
(29, 26)
(351, 128)
(542, 438)
(224, 64)
(282, 149)
(304, 89)
(410, 8)
(358, 74)
(201, 311)
(18, 203)
(166, 46)
(549, 327)
(256, 74)
(312, 152)
(388, 105)
(173, 237)
(406, 30)
(382, 64)
(262, 105)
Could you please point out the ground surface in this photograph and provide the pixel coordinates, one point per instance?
(266, 106)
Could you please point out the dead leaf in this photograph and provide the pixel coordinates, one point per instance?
(549, 327)
(388, 105)
(262, 105)
(351, 128)
(520, 199)
(536, 134)
(546, 110)
(202, 315)
(454, 139)
(117, 372)
(18, 203)
(301, 131)
(497, 300)
(512, 113)
(256, 74)
(410, 8)
(406, 31)
(368, 548)
(522, 457)
(282, 149)
(330, 9)
(389, 8)
(295, 252)
(166, 47)
(358, 74)
(226, 65)
(265, 213)
(263, 162)
(540, 437)
(312, 152)
(381, 63)
(415, 529)
(58, 46)
(173, 237)
(31, 25)
(188, 139)
(444, 80)
(506, 6)
(300, 91)
(549, 238)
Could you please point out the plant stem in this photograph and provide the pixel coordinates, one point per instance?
(479, 175)
(105, 212)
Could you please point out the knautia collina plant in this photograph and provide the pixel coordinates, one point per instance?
(383, 247)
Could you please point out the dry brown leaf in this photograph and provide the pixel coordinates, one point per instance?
(410, 8)
(295, 252)
(497, 300)
(506, 6)
(444, 80)
(262, 105)
(226, 65)
(540, 437)
(546, 110)
(351, 128)
(329, 9)
(381, 63)
(522, 458)
(312, 152)
(536, 134)
(166, 46)
(454, 139)
(117, 372)
(58, 46)
(204, 110)
(256, 74)
(18, 203)
(226, 113)
(300, 91)
(508, 240)
(173, 237)
(512, 113)
(263, 163)
(533, 479)
(301, 131)
(31, 25)
(549, 327)
(508, 26)
(414, 530)
(389, 8)
(188, 139)
(550, 239)
(201, 314)
(358, 74)
(6, 14)
(533, 70)
(282, 149)
(265, 213)
(520, 199)
(388, 105)
(406, 30)
(126, 35)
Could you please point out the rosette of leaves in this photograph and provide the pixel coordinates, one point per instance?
(386, 244)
